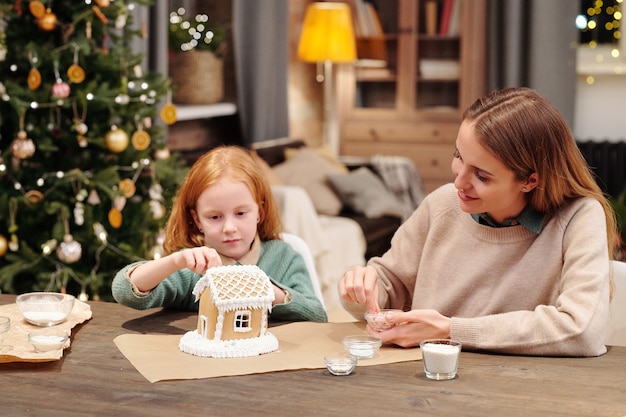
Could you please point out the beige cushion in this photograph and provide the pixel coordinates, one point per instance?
(307, 169)
(271, 176)
(323, 151)
(364, 192)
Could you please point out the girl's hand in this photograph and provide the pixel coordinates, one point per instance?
(197, 259)
(414, 326)
(279, 295)
(360, 285)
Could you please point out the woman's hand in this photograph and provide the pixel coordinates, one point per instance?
(198, 259)
(414, 326)
(360, 285)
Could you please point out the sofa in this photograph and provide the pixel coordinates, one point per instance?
(346, 209)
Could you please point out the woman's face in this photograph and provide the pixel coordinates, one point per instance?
(227, 215)
(483, 182)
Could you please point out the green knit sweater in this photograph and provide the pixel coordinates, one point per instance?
(284, 266)
(506, 289)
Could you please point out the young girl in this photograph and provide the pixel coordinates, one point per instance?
(514, 256)
(224, 214)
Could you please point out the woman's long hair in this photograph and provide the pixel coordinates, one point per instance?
(237, 164)
(528, 134)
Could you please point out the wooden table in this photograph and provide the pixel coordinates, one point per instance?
(94, 379)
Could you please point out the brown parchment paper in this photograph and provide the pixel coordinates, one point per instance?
(15, 346)
(302, 345)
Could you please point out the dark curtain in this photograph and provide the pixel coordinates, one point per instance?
(260, 30)
(532, 43)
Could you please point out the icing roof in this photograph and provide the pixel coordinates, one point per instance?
(234, 286)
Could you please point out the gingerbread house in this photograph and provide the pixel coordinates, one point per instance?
(234, 304)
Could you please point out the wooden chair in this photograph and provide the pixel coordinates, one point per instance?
(300, 246)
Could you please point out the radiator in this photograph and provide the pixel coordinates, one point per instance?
(608, 161)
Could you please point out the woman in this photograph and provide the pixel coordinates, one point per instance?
(514, 256)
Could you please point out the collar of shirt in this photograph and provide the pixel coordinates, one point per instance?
(250, 258)
(529, 218)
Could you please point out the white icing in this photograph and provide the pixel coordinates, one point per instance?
(192, 342)
(231, 288)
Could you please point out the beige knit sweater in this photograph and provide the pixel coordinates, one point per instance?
(507, 290)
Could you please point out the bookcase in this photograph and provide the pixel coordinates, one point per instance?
(421, 63)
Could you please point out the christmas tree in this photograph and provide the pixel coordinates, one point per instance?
(85, 174)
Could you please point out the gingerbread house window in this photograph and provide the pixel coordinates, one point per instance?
(243, 322)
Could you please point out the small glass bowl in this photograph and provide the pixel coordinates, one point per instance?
(45, 308)
(378, 321)
(340, 363)
(47, 341)
(362, 346)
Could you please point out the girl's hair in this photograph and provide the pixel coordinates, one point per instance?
(236, 163)
(528, 134)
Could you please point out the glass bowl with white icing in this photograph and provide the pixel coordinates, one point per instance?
(45, 308)
(340, 363)
(45, 341)
(362, 346)
(378, 321)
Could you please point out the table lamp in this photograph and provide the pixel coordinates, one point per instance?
(328, 37)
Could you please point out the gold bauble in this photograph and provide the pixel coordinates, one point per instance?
(103, 3)
(48, 21)
(4, 245)
(116, 140)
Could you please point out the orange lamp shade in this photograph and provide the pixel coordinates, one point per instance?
(327, 33)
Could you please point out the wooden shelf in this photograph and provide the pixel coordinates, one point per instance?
(204, 111)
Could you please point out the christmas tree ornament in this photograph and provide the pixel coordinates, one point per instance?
(34, 78)
(94, 198)
(4, 245)
(103, 3)
(60, 89)
(115, 218)
(127, 187)
(116, 140)
(79, 213)
(22, 146)
(75, 73)
(162, 153)
(140, 140)
(157, 209)
(156, 192)
(37, 9)
(168, 114)
(33, 197)
(119, 202)
(69, 251)
(48, 21)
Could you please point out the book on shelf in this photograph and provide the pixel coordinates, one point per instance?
(367, 23)
(439, 69)
(430, 17)
(455, 17)
(370, 40)
(446, 12)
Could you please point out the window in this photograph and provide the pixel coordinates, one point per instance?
(599, 22)
(243, 321)
(601, 50)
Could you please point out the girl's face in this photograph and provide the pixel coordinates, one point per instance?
(483, 182)
(227, 215)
